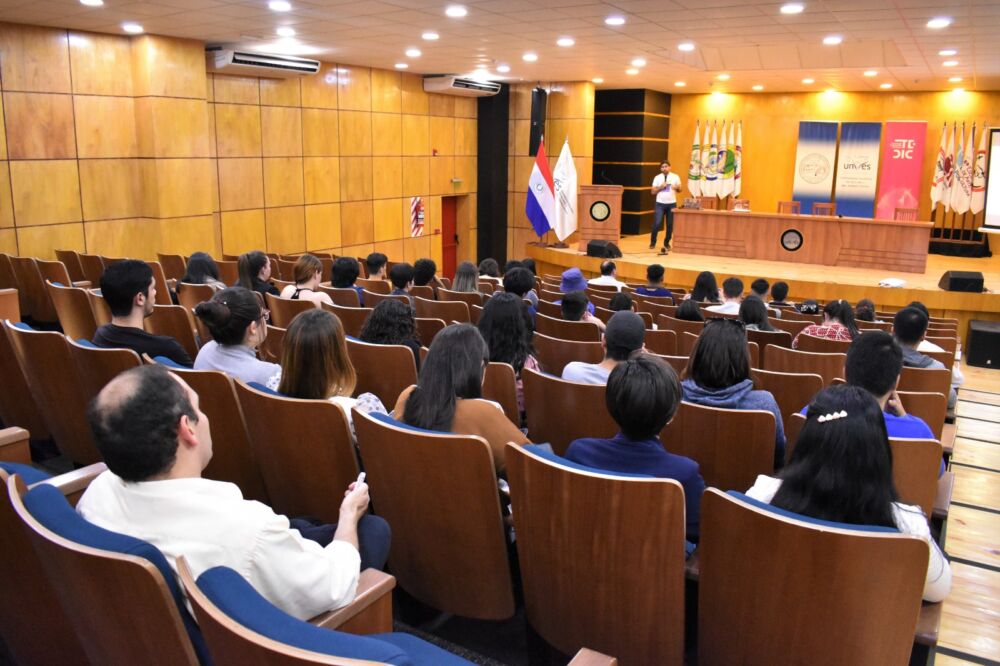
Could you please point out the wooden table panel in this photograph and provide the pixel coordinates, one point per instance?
(976, 487)
(980, 454)
(970, 618)
(972, 535)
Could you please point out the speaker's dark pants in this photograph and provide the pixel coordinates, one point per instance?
(661, 210)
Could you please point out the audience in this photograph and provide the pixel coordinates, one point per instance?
(202, 269)
(623, 339)
(838, 324)
(654, 283)
(425, 274)
(345, 276)
(508, 336)
(865, 311)
(760, 288)
(718, 375)
(156, 442)
(705, 289)
(130, 292)
(753, 313)
(732, 291)
(841, 471)
(308, 273)
(392, 323)
(520, 282)
(376, 264)
(255, 273)
(642, 396)
(925, 345)
(512, 264)
(688, 310)
(466, 278)
(489, 269)
(779, 292)
(909, 326)
(573, 280)
(448, 394)
(621, 301)
(608, 277)
(401, 276)
(575, 307)
(235, 318)
(529, 263)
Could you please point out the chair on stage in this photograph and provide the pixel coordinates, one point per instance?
(553, 354)
(827, 366)
(905, 214)
(561, 411)
(827, 208)
(708, 203)
(789, 207)
(353, 319)
(385, 370)
(739, 203)
(581, 331)
(792, 391)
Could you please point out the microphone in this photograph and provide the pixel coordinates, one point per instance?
(606, 179)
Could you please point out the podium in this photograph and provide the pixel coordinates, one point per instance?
(599, 213)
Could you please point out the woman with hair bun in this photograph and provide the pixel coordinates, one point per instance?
(235, 318)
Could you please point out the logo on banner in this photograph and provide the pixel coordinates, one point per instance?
(814, 168)
(903, 149)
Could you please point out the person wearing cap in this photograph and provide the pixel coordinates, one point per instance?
(624, 338)
(573, 280)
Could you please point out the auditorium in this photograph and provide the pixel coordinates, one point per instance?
(509, 333)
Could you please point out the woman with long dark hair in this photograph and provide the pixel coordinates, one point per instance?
(255, 273)
(505, 329)
(392, 323)
(706, 289)
(448, 394)
(202, 269)
(841, 471)
(753, 313)
(235, 318)
(838, 324)
(689, 311)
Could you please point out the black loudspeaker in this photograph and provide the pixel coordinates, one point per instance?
(604, 249)
(538, 99)
(984, 344)
(962, 281)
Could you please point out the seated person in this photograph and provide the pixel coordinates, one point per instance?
(705, 289)
(718, 375)
(865, 311)
(841, 471)
(156, 442)
(654, 283)
(508, 336)
(574, 307)
(909, 326)
(623, 339)
(345, 276)
(308, 274)
(255, 273)
(621, 301)
(202, 269)
(688, 310)
(466, 278)
(235, 319)
(520, 282)
(642, 396)
(376, 264)
(732, 292)
(489, 269)
(448, 394)
(838, 323)
(130, 292)
(608, 277)
(753, 313)
(425, 274)
(401, 276)
(925, 345)
(315, 365)
(392, 323)
(779, 292)
(759, 288)
(573, 280)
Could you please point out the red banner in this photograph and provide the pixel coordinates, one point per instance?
(902, 167)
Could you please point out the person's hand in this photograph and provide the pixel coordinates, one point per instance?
(355, 502)
(894, 405)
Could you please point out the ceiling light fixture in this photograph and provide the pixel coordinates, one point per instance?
(530, 57)
(430, 36)
(808, 82)
(946, 53)
(565, 41)
(680, 84)
(638, 62)
(456, 11)
(723, 77)
(132, 28)
(92, 3)
(885, 86)
(955, 79)
(503, 69)
(792, 8)
(832, 40)
(686, 46)
(949, 63)
(632, 71)
(871, 72)
(598, 80)
(758, 87)
(413, 53)
(285, 31)
(939, 22)
(614, 20)
(401, 65)
(279, 6)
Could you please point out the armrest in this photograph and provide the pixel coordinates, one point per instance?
(14, 446)
(587, 657)
(691, 570)
(371, 610)
(927, 624)
(948, 438)
(72, 484)
(82, 284)
(942, 502)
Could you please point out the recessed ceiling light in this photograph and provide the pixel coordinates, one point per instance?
(832, 40)
(947, 52)
(279, 6)
(680, 84)
(955, 79)
(638, 62)
(413, 53)
(808, 82)
(792, 8)
(529, 57)
(597, 80)
(723, 77)
(758, 87)
(456, 11)
(871, 72)
(631, 71)
(615, 20)
(565, 41)
(949, 63)
(939, 22)
(92, 3)
(430, 36)
(503, 69)
(285, 31)
(401, 65)
(885, 86)
(132, 28)
(686, 46)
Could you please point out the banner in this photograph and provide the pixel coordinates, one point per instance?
(814, 162)
(857, 168)
(902, 167)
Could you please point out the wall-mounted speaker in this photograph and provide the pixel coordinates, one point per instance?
(538, 101)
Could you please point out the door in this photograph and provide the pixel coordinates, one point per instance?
(449, 236)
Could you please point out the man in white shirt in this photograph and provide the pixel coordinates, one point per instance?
(623, 338)
(732, 293)
(609, 276)
(665, 187)
(156, 442)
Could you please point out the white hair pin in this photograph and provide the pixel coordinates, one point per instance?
(832, 417)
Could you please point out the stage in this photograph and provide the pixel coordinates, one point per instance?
(804, 280)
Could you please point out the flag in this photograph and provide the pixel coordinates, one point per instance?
(541, 205)
(694, 169)
(961, 191)
(956, 196)
(711, 185)
(937, 181)
(564, 180)
(416, 216)
(738, 167)
(727, 179)
(720, 163)
(949, 168)
(706, 140)
(978, 200)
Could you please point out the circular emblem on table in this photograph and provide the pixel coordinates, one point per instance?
(791, 240)
(600, 211)
(814, 168)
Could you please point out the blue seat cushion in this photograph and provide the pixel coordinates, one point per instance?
(385, 418)
(29, 474)
(50, 508)
(808, 519)
(86, 343)
(543, 452)
(420, 651)
(263, 389)
(21, 325)
(170, 363)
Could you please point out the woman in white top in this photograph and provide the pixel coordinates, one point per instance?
(308, 273)
(236, 320)
(317, 367)
(841, 471)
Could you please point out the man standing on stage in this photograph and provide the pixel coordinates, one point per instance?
(665, 187)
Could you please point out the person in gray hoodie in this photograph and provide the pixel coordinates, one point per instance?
(909, 327)
(718, 375)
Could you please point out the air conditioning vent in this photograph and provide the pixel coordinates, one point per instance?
(454, 85)
(245, 63)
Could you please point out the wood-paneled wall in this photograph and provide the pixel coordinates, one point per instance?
(124, 146)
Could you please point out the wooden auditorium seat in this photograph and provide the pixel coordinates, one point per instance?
(487, 286)
(925, 380)
(10, 305)
(173, 321)
(17, 401)
(581, 331)
(678, 363)
(812, 343)
(345, 296)
(71, 259)
(647, 303)
(271, 350)
(945, 358)
(102, 313)
(229, 272)
(679, 326)
(174, 266)
(160, 280)
(385, 370)
(427, 329)
(93, 268)
(423, 291)
(607, 289)
(189, 295)
(97, 367)
(553, 354)
(600, 297)
(686, 342)
(500, 386)
(303, 449)
(599, 555)
(827, 366)
(561, 411)
(792, 391)
(8, 279)
(449, 311)
(931, 408)
(372, 299)
(353, 319)
(469, 297)
(661, 341)
(791, 326)
(73, 308)
(57, 271)
(789, 208)
(34, 298)
(605, 315)
(284, 310)
(765, 338)
(549, 309)
(376, 286)
(915, 467)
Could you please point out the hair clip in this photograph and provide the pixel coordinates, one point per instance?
(832, 417)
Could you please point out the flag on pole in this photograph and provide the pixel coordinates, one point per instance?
(712, 174)
(937, 181)
(564, 180)
(694, 168)
(720, 163)
(706, 140)
(416, 216)
(949, 168)
(738, 167)
(728, 177)
(961, 192)
(978, 199)
(541, 204)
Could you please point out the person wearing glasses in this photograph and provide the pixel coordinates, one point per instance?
(236, 320)
(718, 375)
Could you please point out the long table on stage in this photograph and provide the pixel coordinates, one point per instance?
(889, 245)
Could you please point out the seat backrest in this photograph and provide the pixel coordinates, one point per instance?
(686, 342)
(422, 291)
(10, 305)
(385, 370)
(346, 296)
(649, 303)
(679, 326)
(160, 280)
(559, 411)
(446, 310)
(791, 326)
(945, 358)
(792, 391)
(229, 272)
(915, 467)
(599, 297)
(17, 401)
(758, 563)
(97, 367)
(486, 286)
(793, 426)
(597, 551)
(174, 266)
(93, 269)
(372, 298)
(57, 390)
(707, 203)
(99, 306)
(173, 321)
(35, 300)
(438, 491)
(55, 271)
(661, 342)
(353, 319)
(765, 338)
(8, 279)
(932, 408)
(271, 350)
(73, 307)
(284, 310)
(427, 329)
(582, 331)
(553, 354)
(812, 343)
(678, 363)
(375, 286)
(71, 259)
(189, 295)
(549, 309)
(499, 385)
(285, 268)
(303, 450)
(925, 380)
(949, 343)
(827, 366)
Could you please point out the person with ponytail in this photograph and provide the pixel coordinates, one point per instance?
(235, 318)
(255, 273)
(838, 324)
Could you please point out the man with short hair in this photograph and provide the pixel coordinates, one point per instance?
(574, 306)
(759, 288)
(608, 277)
(376, 263)
(345, 275)
(624, 338)
(779, 292)
(130, 292)
(424, 274)
(156, 442)
(732, 292)
(665, 187)
(909, 327)
(957, 378)
(401, 276)
(654, 283)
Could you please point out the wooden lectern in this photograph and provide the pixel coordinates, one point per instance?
(599, 211)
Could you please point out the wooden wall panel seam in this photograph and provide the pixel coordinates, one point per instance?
(76, 137)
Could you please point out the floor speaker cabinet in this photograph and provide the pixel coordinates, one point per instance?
(984, 344)
(962, 281)
(604, 249)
